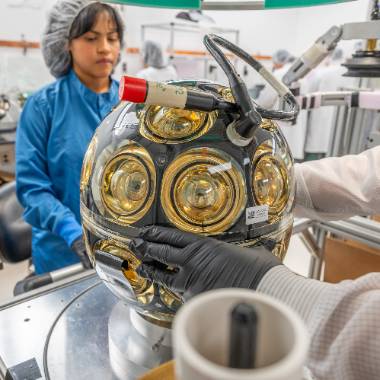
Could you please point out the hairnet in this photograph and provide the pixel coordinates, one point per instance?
(282, 56)
(152, 54)
(56, 35)
(55, 39)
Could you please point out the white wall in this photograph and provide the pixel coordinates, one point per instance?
(22, 19)
(261, 32)
(312, 22)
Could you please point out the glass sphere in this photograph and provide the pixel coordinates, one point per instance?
(153, 165)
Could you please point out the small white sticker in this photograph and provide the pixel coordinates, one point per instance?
(256, 214)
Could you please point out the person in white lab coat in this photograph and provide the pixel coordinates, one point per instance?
(342, 319)
(282, 60)
(155, 68)
(328, 77)
(295, 133)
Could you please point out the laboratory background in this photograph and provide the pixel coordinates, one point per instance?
(190, 189)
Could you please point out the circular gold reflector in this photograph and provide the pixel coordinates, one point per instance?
(128, 184)
(270, 180)
(203, 191)
(174, 125)
(169, 299)
(143, 289)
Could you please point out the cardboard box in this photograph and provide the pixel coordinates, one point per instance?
(163, 372)
(348, 259)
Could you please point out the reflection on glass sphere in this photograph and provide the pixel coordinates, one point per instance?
(270, 179)
(174, 125)
(269, 182)
(127, 183)
(142, 288)
(202, 191)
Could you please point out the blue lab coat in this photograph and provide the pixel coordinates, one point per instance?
(55, 128)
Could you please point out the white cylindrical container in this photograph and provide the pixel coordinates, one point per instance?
(202, 332)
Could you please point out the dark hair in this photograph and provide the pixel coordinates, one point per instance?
(87, 18)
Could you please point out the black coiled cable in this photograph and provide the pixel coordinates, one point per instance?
(238, 87)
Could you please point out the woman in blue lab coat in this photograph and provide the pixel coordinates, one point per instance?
(81, 46)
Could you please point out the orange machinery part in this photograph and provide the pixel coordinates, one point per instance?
(130, 50)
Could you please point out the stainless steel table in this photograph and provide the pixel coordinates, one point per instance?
(63, 331)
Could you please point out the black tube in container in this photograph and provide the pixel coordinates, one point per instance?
(243, 336)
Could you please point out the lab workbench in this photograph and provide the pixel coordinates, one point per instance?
(64, 332)
(77, 329)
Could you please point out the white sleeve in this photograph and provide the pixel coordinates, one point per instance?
(343, 321)
(339, 187)
(267, 97)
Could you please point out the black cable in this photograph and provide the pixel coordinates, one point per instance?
(242, 97)
(238, 88)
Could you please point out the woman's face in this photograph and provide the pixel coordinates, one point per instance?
(95, 53)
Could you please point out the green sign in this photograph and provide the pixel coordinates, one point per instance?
(186, 4)
(196, 4)
(298, 3)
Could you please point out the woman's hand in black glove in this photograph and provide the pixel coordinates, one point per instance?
(194, 264)
(80, 249)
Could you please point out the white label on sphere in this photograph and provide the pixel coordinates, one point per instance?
(256, 214)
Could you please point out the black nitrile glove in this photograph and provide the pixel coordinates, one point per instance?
(196, 263)
(80, 249)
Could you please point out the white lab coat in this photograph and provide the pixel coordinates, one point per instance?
(339, 187)
(268, 97)
(167, 73)
(342, 319)
(321, 120)
(295, 134)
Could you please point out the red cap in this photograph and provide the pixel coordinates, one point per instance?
(132, 89)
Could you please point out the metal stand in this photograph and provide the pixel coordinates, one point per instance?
(352, 132)
(314, 233)
(178, 26)
(136, 345)
(77, 329)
